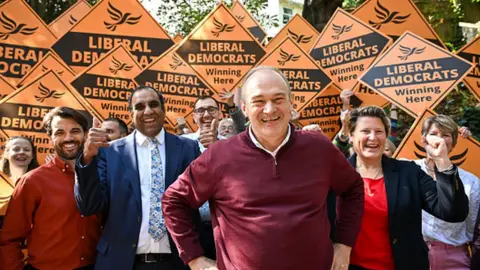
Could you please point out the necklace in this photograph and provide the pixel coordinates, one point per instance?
(375, 177)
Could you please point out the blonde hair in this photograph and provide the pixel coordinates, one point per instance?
(368, 111)
(391, 146)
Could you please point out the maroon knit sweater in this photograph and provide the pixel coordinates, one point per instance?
(267, 213)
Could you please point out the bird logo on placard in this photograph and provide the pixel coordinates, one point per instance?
(59, 72)
(72, 20)
(119, 66)
(176, 62)
(299, 38)
(285, 57)
(386, 16)
(240, 18)
(220, 27)
(458, 160)
(119, 18)
(339, 30)
(13, 28)
(407, 52)
(47, 93)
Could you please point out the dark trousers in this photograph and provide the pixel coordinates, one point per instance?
(207, 240)
(88, 267)
(171, 264)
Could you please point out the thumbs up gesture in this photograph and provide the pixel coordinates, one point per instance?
(97, 137)
(209, 134)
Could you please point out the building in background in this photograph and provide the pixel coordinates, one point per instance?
(284, 9)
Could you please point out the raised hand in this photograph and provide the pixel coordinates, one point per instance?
(437, 150)
(465, 132)
(97, 137)
(209, 134)
(345, 97)
(227, 97)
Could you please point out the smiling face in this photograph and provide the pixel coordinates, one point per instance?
(226, 128)
(113, 130)
(19, 152)
(266, 102)
(368, 138)
(205, 111)
(147, 114)
(67, 137)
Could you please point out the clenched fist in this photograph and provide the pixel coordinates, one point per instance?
(97, 137)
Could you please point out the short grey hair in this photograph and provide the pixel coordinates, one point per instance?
(262, 68)
(224, 120)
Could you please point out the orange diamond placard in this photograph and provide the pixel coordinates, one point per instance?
(108, 24)
(394, 17)
(347, 47)
(471, 52)
(464, 155)
(49, 61)
(369, 96)
(244, 17)
(177, 81)
(220, 49)
(177, 38)
(306, 78)
(5, 88)
(22, 112)
(63, 23)
(108, 84)
(415, 74)
(24, 39)
(324, 111)
(299, 30)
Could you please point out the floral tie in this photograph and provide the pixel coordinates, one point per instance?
(156, 223)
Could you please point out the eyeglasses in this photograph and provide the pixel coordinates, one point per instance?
(211, 110)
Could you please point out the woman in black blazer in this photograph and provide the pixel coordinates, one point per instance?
(395, 194)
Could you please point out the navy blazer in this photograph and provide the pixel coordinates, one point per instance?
(110, 184)
(409, 191)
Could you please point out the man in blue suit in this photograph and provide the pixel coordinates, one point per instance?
(126, 180)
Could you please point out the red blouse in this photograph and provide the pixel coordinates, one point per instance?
(372, 249)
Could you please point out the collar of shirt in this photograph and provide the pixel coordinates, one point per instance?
(142, 140)
(62, 164)
(259, 145)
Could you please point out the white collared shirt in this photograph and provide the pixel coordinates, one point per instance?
(259, 145)
(456, 234)
(146, 244)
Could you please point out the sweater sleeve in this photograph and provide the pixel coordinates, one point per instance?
(190, 191)
(348, 186)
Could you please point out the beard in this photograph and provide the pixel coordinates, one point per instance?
(68, 155)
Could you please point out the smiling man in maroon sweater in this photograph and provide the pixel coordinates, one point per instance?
(267, 189)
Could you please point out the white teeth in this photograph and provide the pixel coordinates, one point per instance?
(149, 120)
(271, 120)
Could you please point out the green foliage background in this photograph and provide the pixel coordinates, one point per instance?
(444, 15)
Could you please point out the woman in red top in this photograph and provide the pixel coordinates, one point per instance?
(395, 193)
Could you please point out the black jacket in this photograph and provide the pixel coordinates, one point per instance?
(409, 191)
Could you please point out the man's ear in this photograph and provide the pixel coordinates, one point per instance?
(244, 107)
